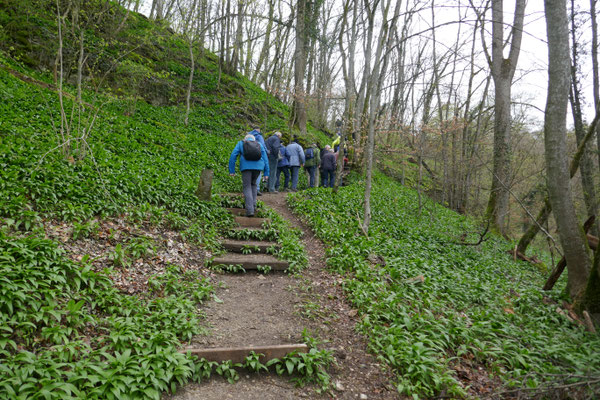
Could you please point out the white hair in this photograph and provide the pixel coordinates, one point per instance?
(278, 133)
(249, 137)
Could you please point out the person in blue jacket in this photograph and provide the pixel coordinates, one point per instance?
(283, 165)
(251, 171)
(260, 139)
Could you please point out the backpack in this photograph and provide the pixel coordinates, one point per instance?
(309, 154)
(251, 150)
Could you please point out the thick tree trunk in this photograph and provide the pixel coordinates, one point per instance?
(299, 114)
(571, 235)
(544, 213)
(502, 72)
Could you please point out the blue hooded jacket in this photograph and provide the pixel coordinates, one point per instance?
(259, 137)
(261, 165)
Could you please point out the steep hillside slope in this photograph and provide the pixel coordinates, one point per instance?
(102, 239)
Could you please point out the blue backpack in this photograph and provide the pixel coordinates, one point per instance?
(309, 154)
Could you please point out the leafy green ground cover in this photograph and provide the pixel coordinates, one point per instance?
(65, 330)
(475, 304)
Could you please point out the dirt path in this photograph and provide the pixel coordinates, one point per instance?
(274, 309)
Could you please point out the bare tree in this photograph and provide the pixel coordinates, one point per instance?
(503, 70)
(571, 235)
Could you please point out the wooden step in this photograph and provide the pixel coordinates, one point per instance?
(237, 211)
(247, 222)
(251, 261)
(238, 354)
(256, 246)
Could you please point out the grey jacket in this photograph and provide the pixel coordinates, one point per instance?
(296, 154)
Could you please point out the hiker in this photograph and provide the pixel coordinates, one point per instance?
(321, 175)
(336, 143)
(253, 161)
(296, 157)
(328, 165)
(259, 138)
(313, 159)
(272, 145)
(283, 165)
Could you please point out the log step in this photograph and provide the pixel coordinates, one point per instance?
(251, 261)
(237, 211)
(237, 246)
(238, 354)
(247, 222)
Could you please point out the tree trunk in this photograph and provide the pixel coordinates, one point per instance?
(266, 44)
(542, 216)
(299, 115)
(188, 95)
(587, 166)
(237, 46)
(595, 72)
(570, 233)
(502, 72)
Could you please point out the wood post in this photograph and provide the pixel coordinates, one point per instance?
(205, 185)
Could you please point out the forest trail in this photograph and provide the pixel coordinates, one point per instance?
(271, 309)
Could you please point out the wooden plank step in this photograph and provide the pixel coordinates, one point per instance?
(238, 354)
(237, 211)
(251, 261)
(247, 222)
(236, 246)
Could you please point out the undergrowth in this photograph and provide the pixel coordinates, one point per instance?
(474, 305)
(66, 332)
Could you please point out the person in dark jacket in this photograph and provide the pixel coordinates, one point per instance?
(251, 171)
(311, 163)
(272, 144)
(321, 154)
(283, 165)
(328, 165)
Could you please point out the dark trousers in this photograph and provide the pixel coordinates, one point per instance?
(295, 171)
(312, 172)
(328, 177)
(286, 174)
(249, 187)
(272, 172)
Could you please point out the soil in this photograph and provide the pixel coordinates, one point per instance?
(255, 309)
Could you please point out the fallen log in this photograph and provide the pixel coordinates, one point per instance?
(560, 267)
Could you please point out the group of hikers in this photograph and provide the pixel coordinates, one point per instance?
(266, 160)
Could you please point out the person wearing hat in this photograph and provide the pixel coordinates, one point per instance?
(313, 160)
(251, 166)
